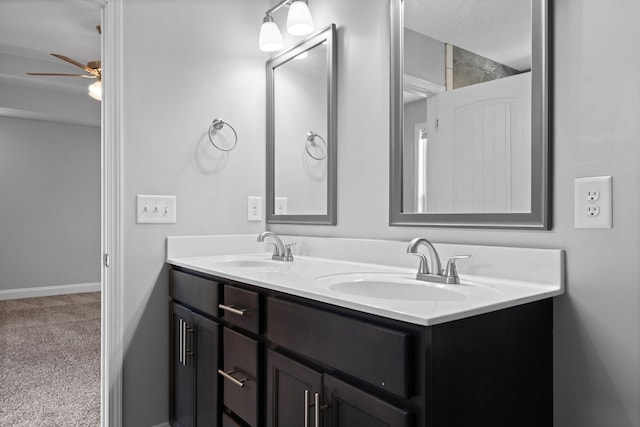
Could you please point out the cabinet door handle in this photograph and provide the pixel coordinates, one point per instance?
(232, 309)
(184, 328)
(317, 410)
(180, 341)
(184, 343)
(227, 375)
(306, 408)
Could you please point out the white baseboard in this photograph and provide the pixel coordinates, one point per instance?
(46, 291)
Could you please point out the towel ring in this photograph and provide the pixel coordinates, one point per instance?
(311, 136)
(217, 125)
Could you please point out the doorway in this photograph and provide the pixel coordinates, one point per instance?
(51, 244)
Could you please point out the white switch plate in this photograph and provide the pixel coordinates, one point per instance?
(280, 205)
(593, 206)
(254, 208)
(155, 209)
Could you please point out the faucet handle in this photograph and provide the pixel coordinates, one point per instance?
(451, 270)
(288, 256)
(423, 267)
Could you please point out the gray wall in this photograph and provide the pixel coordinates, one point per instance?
(206, 64)
(426, 59)
(596, 132)
(49, 203)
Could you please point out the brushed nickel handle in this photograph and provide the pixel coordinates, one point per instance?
(187, 352)
(181, 345)
(306, 408)
(227, 375)
(184, 343)
(317, 410)
(232, 309)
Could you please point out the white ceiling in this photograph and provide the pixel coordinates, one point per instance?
(36, 28)
(496, 29)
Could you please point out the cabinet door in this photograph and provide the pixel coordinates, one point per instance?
(291, 393)
(182, 368)
(349, 407)
(205, 358)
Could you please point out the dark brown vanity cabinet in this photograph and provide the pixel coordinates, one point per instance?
(248, 356)
(375, 356)
(195, 354)
(195, 361)
(301, 396)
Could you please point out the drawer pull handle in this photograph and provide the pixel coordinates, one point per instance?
(227, 375)
(232, 309)
(317, 410)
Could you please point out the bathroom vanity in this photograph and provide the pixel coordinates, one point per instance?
(264, 343)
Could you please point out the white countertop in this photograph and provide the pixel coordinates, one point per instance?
(516, 275)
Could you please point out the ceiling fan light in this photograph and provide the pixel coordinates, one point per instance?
(299, 21)
(270, 37)
(95, 90)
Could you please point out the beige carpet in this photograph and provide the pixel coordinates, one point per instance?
(50, 361)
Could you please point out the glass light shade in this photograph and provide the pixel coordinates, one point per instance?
(270, 37)
(299, 21)
(95, 90)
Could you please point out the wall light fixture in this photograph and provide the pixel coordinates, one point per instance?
(299, 23)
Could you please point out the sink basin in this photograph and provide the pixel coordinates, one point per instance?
(246, 263)
(390, 286)
(397, 290)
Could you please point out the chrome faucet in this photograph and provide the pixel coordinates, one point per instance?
(281, 252)
(430, 268)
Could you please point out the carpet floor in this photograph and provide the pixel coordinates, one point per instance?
(50, 361)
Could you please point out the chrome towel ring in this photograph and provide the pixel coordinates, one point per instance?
(216, 126)
(311, 140)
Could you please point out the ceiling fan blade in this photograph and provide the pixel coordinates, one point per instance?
(58, 74)
(76, 63)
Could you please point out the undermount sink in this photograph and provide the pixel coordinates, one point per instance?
(247, 263)
(390, 287)
(397, 290)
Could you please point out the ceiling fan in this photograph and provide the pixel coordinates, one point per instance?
(93, 70)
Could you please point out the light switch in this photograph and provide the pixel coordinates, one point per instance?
(155, 209)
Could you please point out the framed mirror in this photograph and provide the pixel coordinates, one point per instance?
(301, 132)
(469, 114)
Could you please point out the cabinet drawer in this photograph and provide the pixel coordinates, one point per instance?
(240, 383)
(378, 355)
(194, 291)
(241, 308)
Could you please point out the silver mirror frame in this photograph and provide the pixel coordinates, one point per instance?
(327, 34)
(539, 218)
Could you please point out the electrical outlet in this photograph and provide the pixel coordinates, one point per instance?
(593, 202)
(155, 209)
(254, 208)
(593, 209)
(593, 194)
(280, 207)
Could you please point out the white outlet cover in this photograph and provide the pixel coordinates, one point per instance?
(153, 209)
(280, 205)
(254, 208)
(593, 202)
